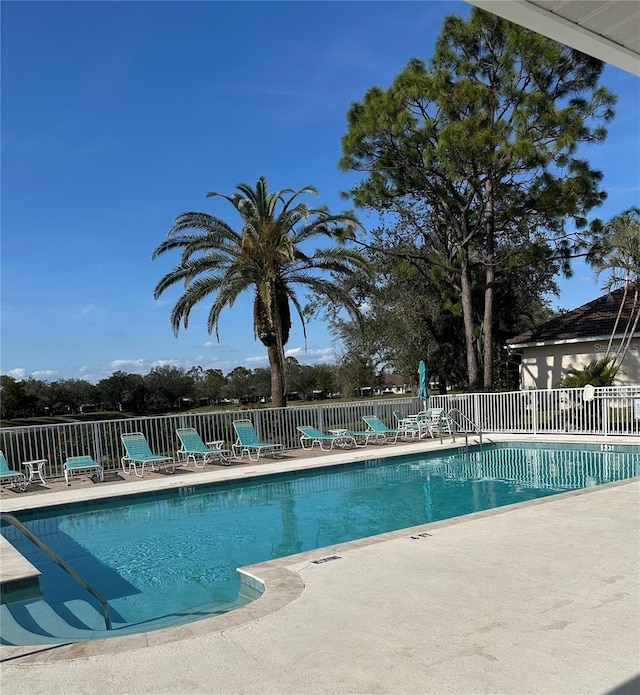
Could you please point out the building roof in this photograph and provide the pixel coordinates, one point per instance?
(594, 320)
(391, 380)
(606, 29)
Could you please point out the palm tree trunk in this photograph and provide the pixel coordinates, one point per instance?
(278, 383)
(632, 325)
(615, 325)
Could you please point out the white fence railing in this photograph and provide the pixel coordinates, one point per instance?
(613, 411)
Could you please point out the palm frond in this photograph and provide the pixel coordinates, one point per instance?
(194, 293)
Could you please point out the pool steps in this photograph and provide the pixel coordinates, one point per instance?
(39, 622)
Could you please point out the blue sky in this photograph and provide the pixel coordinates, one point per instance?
(117, 116)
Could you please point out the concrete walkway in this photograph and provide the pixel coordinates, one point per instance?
(541, 597)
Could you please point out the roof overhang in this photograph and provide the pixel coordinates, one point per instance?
(569, 341)
(605, 29)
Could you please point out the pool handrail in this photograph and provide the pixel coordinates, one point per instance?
(52, 555)
(458, 418)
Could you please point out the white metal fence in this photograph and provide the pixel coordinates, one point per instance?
(613, 411)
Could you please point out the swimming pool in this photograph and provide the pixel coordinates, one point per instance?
(171, 557)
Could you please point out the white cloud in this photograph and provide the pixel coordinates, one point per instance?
(312, 356)
(18, 374)
(44, 373)
(136, 366)
(95, 373)
(262, 359)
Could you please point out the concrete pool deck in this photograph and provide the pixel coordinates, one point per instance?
(540, 597)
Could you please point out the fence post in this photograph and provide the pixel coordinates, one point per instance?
(258, 422)
(605, 416)
(97, 440)
(476, 410)
(534, 411)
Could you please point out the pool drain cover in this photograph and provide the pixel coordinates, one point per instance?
(330, 558)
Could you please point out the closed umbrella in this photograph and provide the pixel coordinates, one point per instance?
(423, 389)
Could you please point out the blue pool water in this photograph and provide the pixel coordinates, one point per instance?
(171, 557)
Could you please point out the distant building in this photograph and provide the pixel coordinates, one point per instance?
(575, 339)
(392, 384)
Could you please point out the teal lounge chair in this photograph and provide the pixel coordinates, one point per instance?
(326, 442)
(8, 475)
(380, 431)
(248, 441)
(193, 448)
(82, 464)
(138, 453)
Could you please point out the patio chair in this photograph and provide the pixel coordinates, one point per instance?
(313, 436)
(138, 453)
(380, 431)
(8, 475)
(410, 425)
(193, 448)
(81, 464)
(361, 437)
(438, 422)
(248, 441)
(400, 417)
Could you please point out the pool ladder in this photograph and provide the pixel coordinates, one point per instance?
(52, 555)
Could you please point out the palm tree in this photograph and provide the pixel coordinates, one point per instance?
(599, 372)
(616, 253)
(265, 256)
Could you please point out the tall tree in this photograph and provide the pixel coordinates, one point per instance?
(239, 383)
(14, 400)
(486, 139)
(212, 384)
(169, 385)
(124, 391)
(265, 255)
(413, 303)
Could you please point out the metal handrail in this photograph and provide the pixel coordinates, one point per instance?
(454, 413)
(11, 519)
